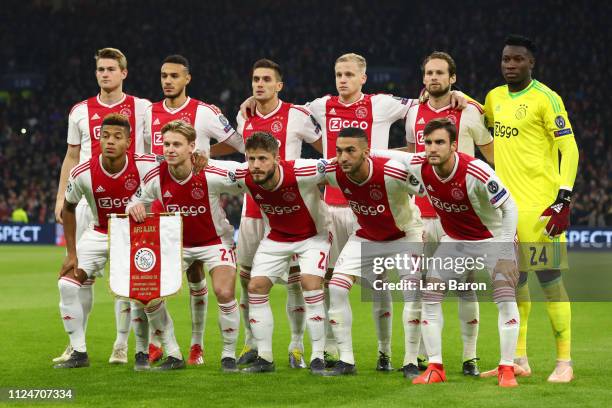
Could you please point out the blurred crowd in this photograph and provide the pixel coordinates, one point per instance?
(48, 66)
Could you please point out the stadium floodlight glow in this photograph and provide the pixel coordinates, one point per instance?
(23, 131)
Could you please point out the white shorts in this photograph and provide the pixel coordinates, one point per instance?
(211, 255)
(467, 256)
(356, 258)
(250, 234)
(272, 258)
(92, 252)
(343, 225)
(84, 218)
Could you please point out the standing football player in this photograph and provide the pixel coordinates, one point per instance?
(537, 158)
(84, 125)
(290, 125)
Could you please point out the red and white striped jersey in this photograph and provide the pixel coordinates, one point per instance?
(373, 113)
(290, 125)
(207, 120)
(381, 203)
(467, 201)
(85, 123)
(293, 211)
(197, 198)
(107, 193)
(470, 127)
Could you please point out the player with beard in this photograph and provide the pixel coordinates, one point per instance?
(439, 75)
(209, 123)
(291, 125)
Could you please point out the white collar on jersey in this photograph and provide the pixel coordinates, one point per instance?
(349, 104)
(369, 175)
(175, 110)
(438, 110)
(181, 182)
(450, 177)
(280, 103)
(114, 104)
(119, 173)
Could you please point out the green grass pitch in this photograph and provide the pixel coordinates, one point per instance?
(32, 333)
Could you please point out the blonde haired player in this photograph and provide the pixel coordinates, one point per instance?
(84, 127)
(531, 128)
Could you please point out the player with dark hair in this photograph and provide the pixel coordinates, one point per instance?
(532, 131)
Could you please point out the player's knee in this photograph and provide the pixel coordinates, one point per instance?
(548, 276)
(195, 272)
(259, 286)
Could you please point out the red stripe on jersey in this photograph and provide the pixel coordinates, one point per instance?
(477, 175)
(80, 169)
(213, 108)
(150, 175)
(216, 170)
(145, 157)
(297, 169)
(77, 105)
(417, 160)
(396, 170)
(395, 176)
(300, 109)
(477, 105)
(478, 170)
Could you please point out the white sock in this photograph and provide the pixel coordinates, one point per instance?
(508, 323)
(122, 320)
(432, 322)
(229, 324)
(249, 340)
(295, 312)
(72, 312)
(382, 311)
(411, 317)
(140, 323)
(330, 341)
(315, 320)
(86, 295)
(341, 316)
(469, 318)
(262, 324)
(162, 324)
(198, 301)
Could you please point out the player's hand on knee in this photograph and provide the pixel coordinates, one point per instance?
(508, 268)
(248, 105)
(69, 265)
(138, 212)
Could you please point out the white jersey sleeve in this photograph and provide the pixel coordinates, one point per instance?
(481, 177)
(308, 129)
(146, 133)
(233, 182)
(240, 121)
(390, 108)
(473, 120)
(212, 124)
(75, 187)
(317, 109)
(310, 171)
(223, 179)
(149, 191)
(410, 123)
(141, 106)
(77, 115)
(145, 163)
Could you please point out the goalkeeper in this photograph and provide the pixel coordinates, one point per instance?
(530, 128)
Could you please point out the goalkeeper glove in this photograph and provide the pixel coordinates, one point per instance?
(559, 213)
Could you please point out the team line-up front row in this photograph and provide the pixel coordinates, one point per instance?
(285, 224)
(378, 185)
